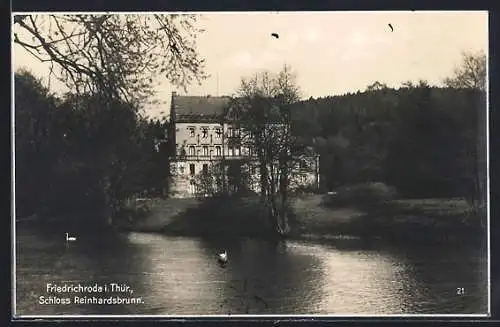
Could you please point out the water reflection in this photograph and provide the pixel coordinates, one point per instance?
(181, 276)
(359, 281)
(272, 273)
(459, 267)
(178, 277)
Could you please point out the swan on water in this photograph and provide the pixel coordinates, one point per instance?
(223, 257)
(70, 238)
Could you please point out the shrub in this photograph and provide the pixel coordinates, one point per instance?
(131, 211)
(224, 214)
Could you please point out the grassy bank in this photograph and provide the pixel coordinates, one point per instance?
(81, 221)
(417, 220)
(313, 216)
(232, 216)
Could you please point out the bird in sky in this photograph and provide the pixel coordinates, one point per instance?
(275, 35)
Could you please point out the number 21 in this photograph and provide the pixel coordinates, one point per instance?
(460, 291)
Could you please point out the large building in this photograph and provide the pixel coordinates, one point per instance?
(206, 142)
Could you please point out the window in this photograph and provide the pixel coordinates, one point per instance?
(191, 131)
(233, 131)
(218, 132)
(254, 170)
(205, 169)
(204, 132)
(181, 169)
(218, 151)
(191, 150)
(231, 151)
(191, 169)
(205, 150)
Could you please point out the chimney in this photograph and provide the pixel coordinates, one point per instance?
(172, 108)
(171, 127)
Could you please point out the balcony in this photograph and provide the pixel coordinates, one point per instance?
(199, 157)
(211, 157)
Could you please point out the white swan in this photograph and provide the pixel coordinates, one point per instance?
(70, 238)
(223, 257)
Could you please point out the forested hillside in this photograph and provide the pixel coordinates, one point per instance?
(422, 140)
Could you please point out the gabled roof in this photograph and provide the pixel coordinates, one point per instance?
(199, 107)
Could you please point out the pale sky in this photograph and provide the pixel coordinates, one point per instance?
(332, 53)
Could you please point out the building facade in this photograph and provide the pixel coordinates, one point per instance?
(204, 142)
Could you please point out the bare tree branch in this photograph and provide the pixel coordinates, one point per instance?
(471, 73)
(117, 55)
(264, 110)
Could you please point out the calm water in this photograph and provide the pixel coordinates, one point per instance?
(180, 276)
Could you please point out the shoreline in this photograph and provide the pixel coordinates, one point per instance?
(322, 238)
(310, 220)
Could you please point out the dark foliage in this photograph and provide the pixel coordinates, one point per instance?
(81, 156)
(422, 140)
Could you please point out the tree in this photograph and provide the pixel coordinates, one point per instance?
(75, 155)
(116, 55)
(375, 86)
(146, 157)
(264, 110)
(424, 138)
(209, 182)
(97, 167)
(35, 141)
(471, 73)
(373, 136)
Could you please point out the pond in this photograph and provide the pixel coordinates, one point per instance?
(181, 276)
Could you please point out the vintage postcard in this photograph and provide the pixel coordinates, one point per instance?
(264, 164)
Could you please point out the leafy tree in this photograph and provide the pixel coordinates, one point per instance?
(419, 151)
(210, 182)
(75, 155)
(34, 137)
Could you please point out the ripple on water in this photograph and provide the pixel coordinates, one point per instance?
(181, 276)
